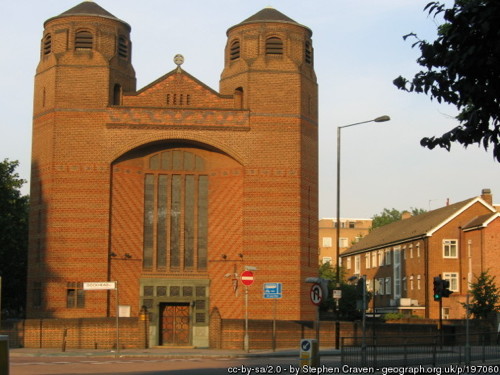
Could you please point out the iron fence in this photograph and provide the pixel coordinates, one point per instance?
(430, 350)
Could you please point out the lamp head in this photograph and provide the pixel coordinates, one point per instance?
(382, 119)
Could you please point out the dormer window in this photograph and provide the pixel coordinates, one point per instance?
(47, 44)
(274, 46)
(234, 52)
(83, 40)
(123, 47)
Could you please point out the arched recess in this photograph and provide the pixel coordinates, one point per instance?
(175, 204)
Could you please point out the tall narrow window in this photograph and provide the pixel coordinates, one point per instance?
(175, 222)
(123, 47)
(161, 260)
(148, 221)
(117, 94)
(308, 52)
(234, 51)
(47, 44)
(274, 46)
(202, 222)
(83, 40)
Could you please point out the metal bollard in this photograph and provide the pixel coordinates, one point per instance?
(4, 355)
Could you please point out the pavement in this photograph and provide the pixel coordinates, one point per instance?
(162, 352)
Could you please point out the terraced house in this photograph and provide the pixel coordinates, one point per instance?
(400, 260)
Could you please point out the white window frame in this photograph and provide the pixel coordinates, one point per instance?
(454, 279)
(411, 282)
(343, 242)
(380, 258)
(327, 241)
(418, 250)
(388, 285)
(367, 261)
(348, 263)
(357, 264)
(388, 257)
(327, 260)
(448, 245)
(418, 282)
(374, 259)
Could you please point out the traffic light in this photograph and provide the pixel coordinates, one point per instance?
(445, 291)
(438, 288)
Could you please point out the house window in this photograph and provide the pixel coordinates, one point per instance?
(411, 251)
(418, 282)
(234, 51)
(274, 46)
(411, 282)
(357, 264)
(450, 249)
(387, 285)
(388, 257)
(374, 259)
(327, 241)
(446, 313)
(343, 242)
(83, 40)
(352, 224)
(452, 277)
(380, 258)
(418, 250)
(348, 263)
(404, 284)
(327, 260)
(379, 286)
(367, 261)
(75, 295)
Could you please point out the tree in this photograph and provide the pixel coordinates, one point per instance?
(389, 216)
(13, 239)
(462, 68)
(485, 296)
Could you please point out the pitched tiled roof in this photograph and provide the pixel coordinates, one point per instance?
(88, 8)
(414, 227)
(480, 221)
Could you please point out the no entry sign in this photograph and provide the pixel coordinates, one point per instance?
(247, 277)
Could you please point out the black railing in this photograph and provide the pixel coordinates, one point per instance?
(430, 350)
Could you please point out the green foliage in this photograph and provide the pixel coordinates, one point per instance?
(485, 296)
(13, 239)
(388, 216)
(398, 316)
(461, 67)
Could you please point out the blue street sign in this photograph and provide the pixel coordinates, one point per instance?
(272, 290)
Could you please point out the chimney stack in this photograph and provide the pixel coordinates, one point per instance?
(486, 196)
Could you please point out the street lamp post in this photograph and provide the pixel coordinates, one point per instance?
(339, 128)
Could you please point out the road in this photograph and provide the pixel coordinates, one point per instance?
(156, 366)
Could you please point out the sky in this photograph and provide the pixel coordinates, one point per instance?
(358, 51)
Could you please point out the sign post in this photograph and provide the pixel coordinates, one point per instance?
(246, 279)
(108, 285)
(273, 291)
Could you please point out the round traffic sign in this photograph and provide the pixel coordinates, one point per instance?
(316, 294)
(247, 277)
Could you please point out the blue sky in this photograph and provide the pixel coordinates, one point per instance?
(359, 50)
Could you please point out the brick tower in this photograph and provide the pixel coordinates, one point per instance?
(171, 190)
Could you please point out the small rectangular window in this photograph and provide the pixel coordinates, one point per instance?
(327, 241)
(450, 248)
(75, 295)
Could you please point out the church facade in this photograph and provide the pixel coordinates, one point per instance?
(172, 190)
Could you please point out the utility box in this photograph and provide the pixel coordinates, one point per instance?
(309, 353)
(4, 355)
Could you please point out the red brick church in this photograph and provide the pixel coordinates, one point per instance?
(172, 189)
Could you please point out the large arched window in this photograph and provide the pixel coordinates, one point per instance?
(83, 40)
(175, 212)
(274, 46)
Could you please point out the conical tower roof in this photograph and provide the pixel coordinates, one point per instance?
(88, 8)
(268, 14)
